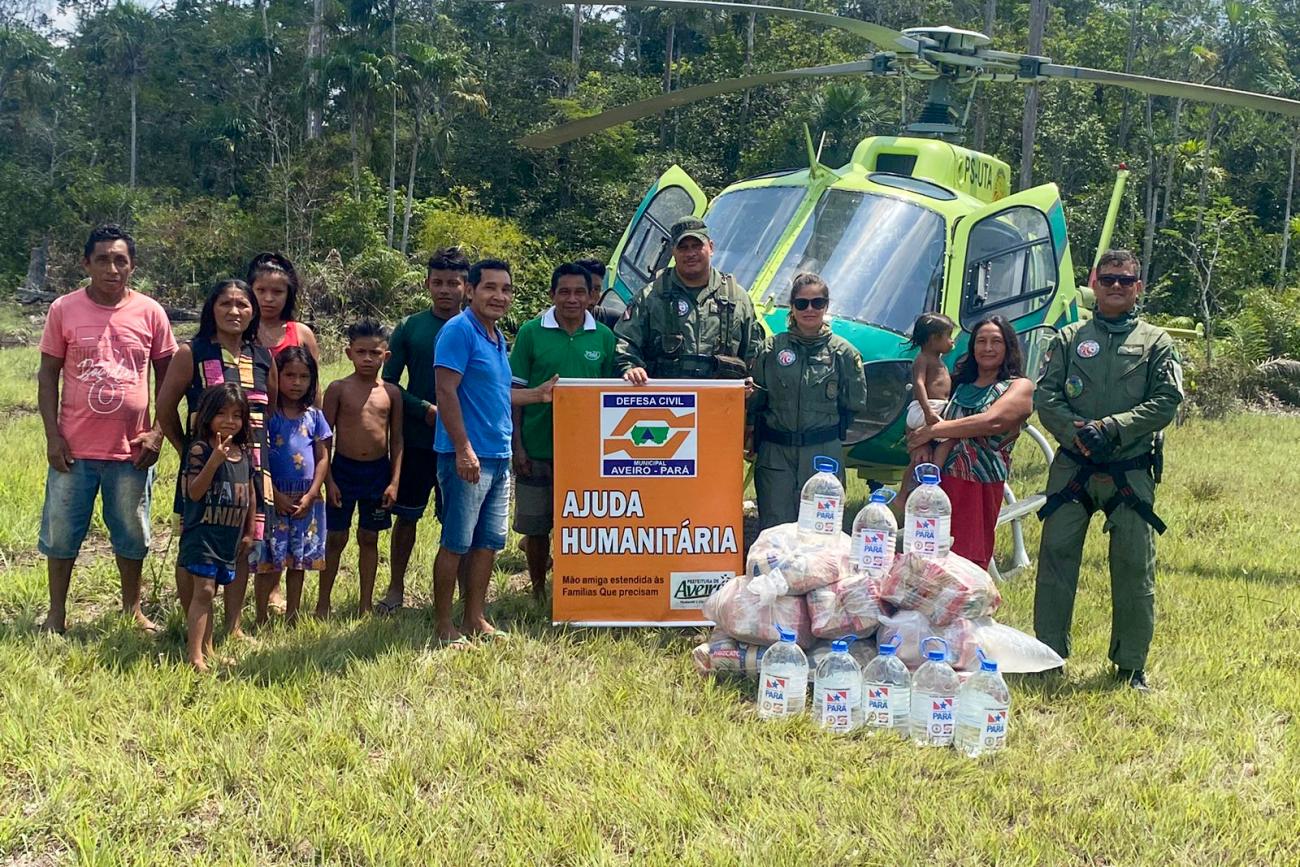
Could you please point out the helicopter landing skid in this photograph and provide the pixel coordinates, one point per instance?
(1015, 510)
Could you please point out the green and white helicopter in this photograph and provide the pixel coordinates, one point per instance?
(911, 223)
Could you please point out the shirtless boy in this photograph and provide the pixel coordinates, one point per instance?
(366, 416)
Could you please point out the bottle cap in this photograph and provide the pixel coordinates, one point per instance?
(938, 654)
(986, 664)
(786, 635)
(841, 645)
(927, 474)
(883, 495)
(891, 647)
(823, 464)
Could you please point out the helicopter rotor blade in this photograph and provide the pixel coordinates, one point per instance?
(633, 111)
(884, 37)
(1178, 89)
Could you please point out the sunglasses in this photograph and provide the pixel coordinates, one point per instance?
(814, 303)
(1125, 280)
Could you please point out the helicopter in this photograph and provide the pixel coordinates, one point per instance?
(911, 223)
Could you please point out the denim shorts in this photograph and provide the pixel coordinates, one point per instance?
(70, 502)
(474, 516)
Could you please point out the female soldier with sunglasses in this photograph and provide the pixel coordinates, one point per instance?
(808, 387)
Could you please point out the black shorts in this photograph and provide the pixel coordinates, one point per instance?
(419, 480)
(361, 484)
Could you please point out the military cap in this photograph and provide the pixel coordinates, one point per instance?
(689, 227)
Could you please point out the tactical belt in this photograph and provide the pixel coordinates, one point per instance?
(805, 438)
(1076, 490)
(699, 367)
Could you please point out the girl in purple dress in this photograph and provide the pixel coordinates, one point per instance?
(297, 435)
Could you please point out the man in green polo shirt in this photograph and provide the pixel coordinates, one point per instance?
(567, 341)
(411, 348)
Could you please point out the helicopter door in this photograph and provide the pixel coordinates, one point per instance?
(643, 250)
(1010, 261)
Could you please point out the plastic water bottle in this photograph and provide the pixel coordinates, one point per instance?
(934, 696)
(821, 505)
(888, 687)
(837, 689)
(874, 532)
(927, 520)
(983, 711)
(783, 679)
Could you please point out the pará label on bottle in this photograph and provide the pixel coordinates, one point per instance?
(886, 705)
(927, 535)
(873, 551)
(821, 514)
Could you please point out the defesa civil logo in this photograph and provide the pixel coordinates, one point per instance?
(648, 434)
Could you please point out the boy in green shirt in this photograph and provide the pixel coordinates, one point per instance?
(566, 341)
(411, 346)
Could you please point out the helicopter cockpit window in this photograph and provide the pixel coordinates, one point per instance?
(1011, 265)
(647, 244)
(881, 256)
(745, 226)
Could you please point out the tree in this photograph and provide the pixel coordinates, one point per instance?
(1219, 228)
(442, 87)
(1029, 126)
(121, 39)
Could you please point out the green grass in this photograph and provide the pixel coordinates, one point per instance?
(357, 741)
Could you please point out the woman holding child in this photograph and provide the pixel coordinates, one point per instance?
(991, 399)
(225, 350)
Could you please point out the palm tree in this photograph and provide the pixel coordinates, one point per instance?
(121, 36)
(441, 87)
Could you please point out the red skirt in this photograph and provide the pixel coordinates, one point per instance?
(975, 507)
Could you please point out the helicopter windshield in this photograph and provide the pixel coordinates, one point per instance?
(881, 256)
(745, 226)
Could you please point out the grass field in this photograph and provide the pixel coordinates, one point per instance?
(359, 741)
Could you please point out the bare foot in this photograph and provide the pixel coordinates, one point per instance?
(447, 632)
(276, 602)
(144, 624)
(321, 613)
(199, 665)
(480, 628)
(54, 626)
(235, 634)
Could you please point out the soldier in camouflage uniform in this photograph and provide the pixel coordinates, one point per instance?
(691, 322)
(1110, 386)
(809, 386)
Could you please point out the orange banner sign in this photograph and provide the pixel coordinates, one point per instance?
(648, 489)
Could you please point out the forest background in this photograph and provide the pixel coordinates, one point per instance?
(358, 135)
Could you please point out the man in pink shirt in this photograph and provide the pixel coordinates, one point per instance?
(97, 348)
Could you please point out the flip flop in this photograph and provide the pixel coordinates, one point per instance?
(496, 636)
(459, 643)
(385, 608)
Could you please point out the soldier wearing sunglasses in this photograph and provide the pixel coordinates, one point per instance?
(809, 385)
(1110, 386)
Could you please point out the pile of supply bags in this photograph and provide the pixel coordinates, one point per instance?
(808, 588)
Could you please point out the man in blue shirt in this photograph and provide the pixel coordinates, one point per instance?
(473, 441)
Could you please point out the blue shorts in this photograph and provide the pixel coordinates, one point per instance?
(219, 572)
(70, 503)
(474, 516)
(361, 484)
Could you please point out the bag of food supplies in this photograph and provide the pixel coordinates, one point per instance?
(913, 627)
(944, 589)
(722, 655)
(847, 607)
(749, 610)
(804, 565)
